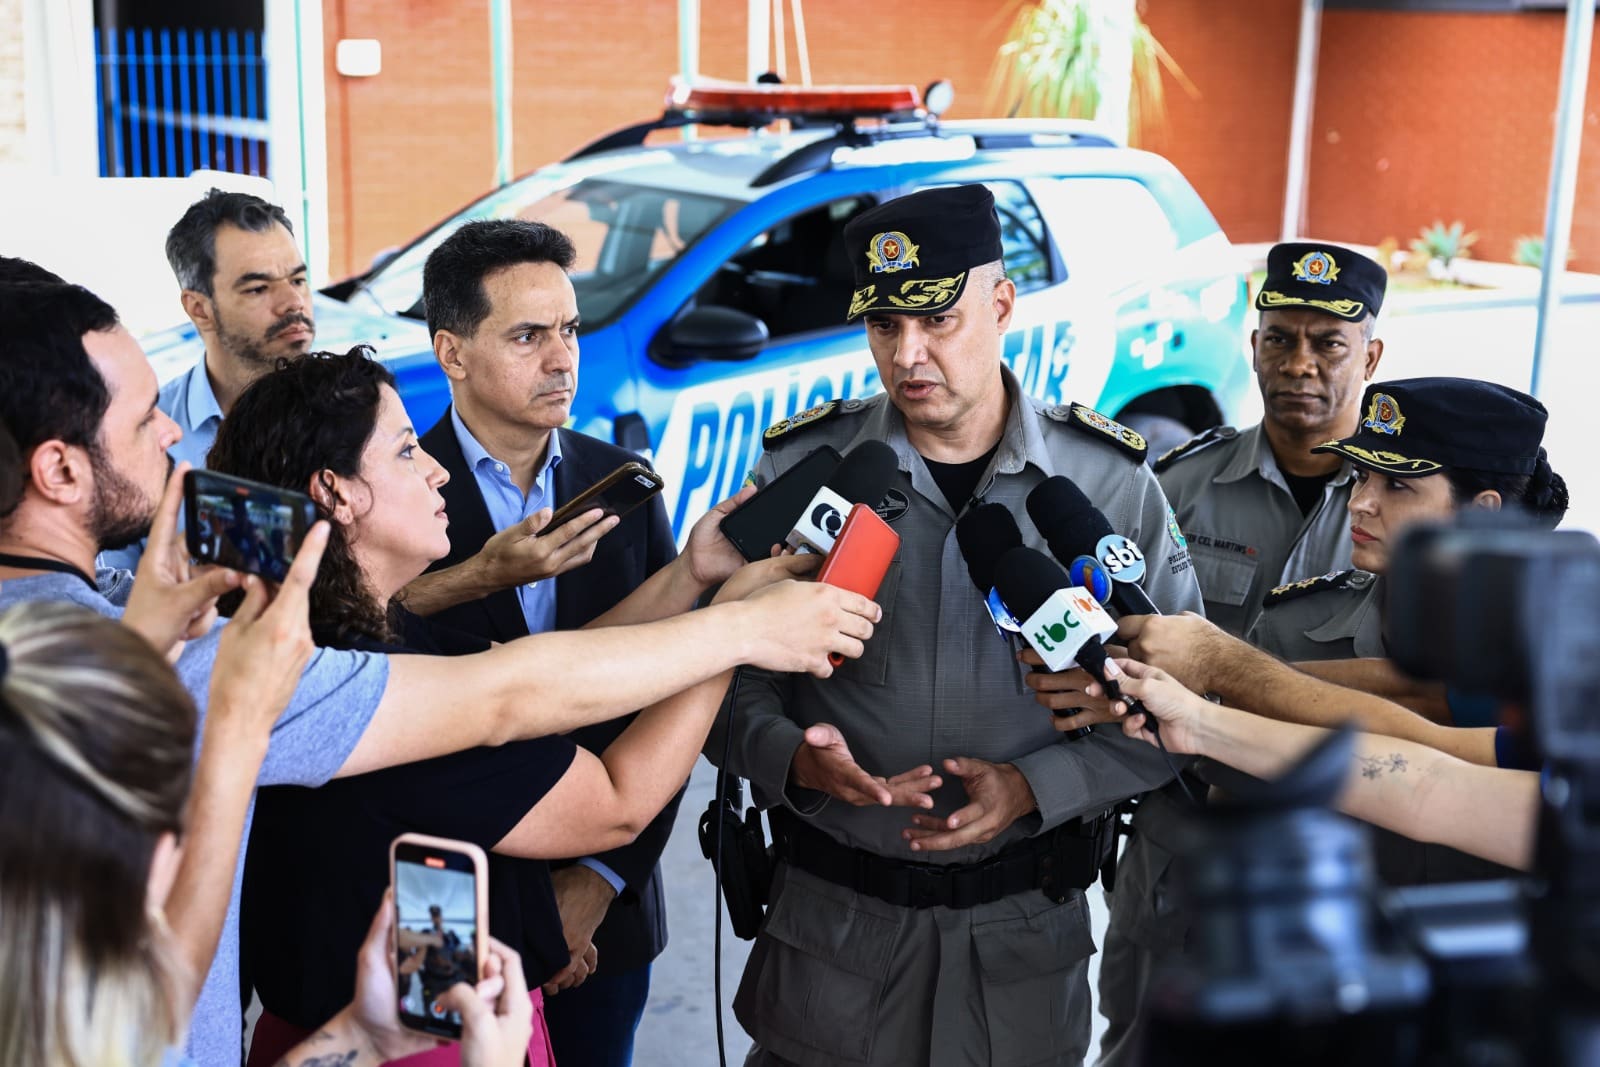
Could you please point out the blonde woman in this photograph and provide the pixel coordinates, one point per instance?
(97, 743)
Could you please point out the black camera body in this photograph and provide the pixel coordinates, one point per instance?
(1298, 955)
(744, 868)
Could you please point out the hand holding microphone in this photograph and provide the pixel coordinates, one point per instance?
(862, 477)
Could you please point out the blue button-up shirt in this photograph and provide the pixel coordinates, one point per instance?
(507, 507)
(190, 402)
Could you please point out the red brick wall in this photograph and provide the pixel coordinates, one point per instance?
(416, 142)
(1417, 116)
(1232, 139)
(1445, 116)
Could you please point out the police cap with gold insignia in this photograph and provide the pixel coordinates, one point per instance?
(1322, 277)
(912, 255)
(1419, 426)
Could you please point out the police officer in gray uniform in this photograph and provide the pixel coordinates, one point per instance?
(1258, 507)
(957, 932)
(1426, 449)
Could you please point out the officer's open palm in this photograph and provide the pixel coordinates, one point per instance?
(823, 762)
(997, 796)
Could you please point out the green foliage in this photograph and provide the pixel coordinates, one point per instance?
(1050, 63)
(1529, 252)
(1444, 243)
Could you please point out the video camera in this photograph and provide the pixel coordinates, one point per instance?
(1298, 956)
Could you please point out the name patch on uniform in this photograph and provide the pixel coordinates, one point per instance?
(1222, 544)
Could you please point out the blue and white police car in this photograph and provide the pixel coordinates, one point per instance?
(713, 281)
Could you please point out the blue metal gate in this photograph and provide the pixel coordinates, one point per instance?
(175, 101)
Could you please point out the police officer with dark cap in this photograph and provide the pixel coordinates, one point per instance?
(1259, 508)
(1426, 449)
(935, 832)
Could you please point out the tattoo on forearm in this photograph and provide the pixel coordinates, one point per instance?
(1374, 766)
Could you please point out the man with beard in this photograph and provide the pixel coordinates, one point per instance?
(246, 291)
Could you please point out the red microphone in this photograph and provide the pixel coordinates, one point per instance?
(860, 557)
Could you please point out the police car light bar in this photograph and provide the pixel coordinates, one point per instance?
(709, 101)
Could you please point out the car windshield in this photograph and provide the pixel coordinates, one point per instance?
(625, 234)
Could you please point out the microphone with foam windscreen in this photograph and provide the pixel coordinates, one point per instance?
(862, 477)
(984, 534)
(1074, 527)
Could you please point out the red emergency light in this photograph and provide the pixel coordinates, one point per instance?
(792, 101)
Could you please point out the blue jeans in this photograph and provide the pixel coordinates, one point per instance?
(593, 1025)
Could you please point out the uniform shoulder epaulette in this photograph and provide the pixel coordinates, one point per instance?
(1351, 579)
(1194, 446)
(799, 421)
(1101, 428)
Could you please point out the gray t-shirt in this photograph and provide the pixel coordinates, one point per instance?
(337, 695)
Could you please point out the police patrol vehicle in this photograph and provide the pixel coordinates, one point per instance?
(713, 281)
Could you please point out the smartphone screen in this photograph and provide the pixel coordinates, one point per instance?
(244, 525)
(437, 927)
(616, 494)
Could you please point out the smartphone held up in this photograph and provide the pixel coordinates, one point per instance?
(441, 926)
(244, 525)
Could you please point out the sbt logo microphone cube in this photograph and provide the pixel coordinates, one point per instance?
(1064, 623)
(1121, 558)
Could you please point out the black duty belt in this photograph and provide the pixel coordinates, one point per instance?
(1065, 859)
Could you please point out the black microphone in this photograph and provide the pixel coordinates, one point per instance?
(1073, 527)
(985, 533)
(862, 477)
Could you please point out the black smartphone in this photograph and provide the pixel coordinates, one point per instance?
(244, 525)
(616, 494)
(441, 926)
(766, 518)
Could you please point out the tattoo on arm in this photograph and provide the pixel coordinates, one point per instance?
(1375, 766)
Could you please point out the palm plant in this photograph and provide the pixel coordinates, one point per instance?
(1444, 244)
(1060, 60)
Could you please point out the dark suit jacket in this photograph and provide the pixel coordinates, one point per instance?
(635, 928)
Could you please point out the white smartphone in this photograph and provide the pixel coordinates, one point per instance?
(441, 926)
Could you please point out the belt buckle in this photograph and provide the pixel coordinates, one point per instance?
(925, 885)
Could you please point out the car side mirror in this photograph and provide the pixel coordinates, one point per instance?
(710, 332)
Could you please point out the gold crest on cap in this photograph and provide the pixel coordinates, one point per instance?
(891, 251)
(1383, 415)
(1315, 267)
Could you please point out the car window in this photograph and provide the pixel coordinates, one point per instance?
(625, 236)
(795, 277)
(1109, 230)
(1023, 242)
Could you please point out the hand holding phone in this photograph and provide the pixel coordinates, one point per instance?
(244, 525)
(441, 902)
(616, 494)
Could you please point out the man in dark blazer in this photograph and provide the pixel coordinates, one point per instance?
(503, 316)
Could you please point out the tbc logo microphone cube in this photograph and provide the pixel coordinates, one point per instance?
(1064, 622)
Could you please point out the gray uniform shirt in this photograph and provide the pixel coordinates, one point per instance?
(836, 974)
(1243, 525)
(1336, 616)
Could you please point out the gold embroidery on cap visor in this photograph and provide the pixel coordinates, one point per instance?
(860, 300)
(1354, 310)
(927, 294)
(1388, 462)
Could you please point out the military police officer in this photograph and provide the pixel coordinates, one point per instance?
(1258, 506)
(955, 932)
